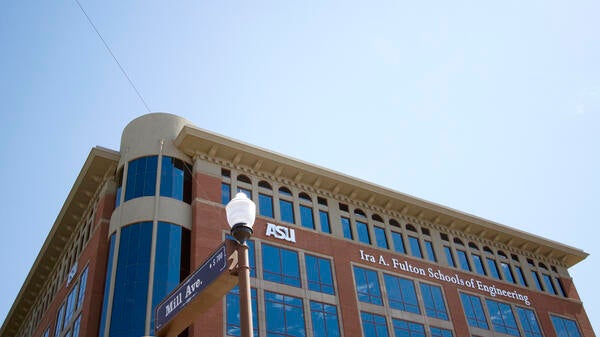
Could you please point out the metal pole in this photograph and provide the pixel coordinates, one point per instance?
(245, 292)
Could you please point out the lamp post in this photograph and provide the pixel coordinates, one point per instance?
(241, 213)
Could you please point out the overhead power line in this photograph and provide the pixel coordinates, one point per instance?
(113, 56)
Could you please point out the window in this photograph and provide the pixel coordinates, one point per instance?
(119, 179)
(398, 242)
(463, 260)
(401, 294)
(549, 286)
(415, 246)
(536, 280)
(286, 315)
(246, 191)
(493, 268)
(520, 276)
(75, 330)
(82, 284)
(346, 229)
(251, 257)
(508, 275)
(59, 321)
(46, 332)
(176, 179)
(325, 321)
(286, 208)
(563, 293)
(438, 332)
(374, 325)
(367, 286)
(530, 325)
(565, 327)
(109, 265)
(363, 232)
(380, 237)
(141, 177)
(449, 256)
(265, 205)
(320, 277)
(225, 193)
(70, 306)
(434, 301)
(280, 265)
(306, 217)
(232, 304)
(324, 218)
(474, 311)
(502, 318)
(478, 264)
(404, 328)
(430, 252)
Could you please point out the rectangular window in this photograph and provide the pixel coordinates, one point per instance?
(82, 284)
(367, 286)
(398, 242)
(75, 330)
(474, 311)
(565, 327)
(318, 272)
(433, 298)
(265, 205)
(363, 232)
(438, 332)
(59, 321)
(549, 285)
(529, 322)
(232, 304)
(346, 229)
(508, 275)
(449, 256)
(46, 332)
(325, 321)
(536, 280)
(380, 237)
(306, 217)
(251, 257)
(401, 294)
(463, 260)
(286, 208)
(324, 218)
(430, 252)
(478, 264)
(563, 293)
(409, 329)
(493, 268)
(520, 276)
(374, 325)
(502, 318)
(415, 247)
(71, 302)
(280, 265)
(225, 193)
(246, 191)
(286, 315)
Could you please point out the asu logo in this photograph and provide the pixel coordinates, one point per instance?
(281, 232)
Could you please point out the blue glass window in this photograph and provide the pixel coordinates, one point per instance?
(252, 258)
(404, 328)
(324, 217)
(232, 304)
(286, 208)
(70, 306)
(434, 301)
(176, 179)
(75, 330)
(474, 311)
(529, 322)
(265, 205)
(563, 293)
(346, 229)
(536, 280)
(47, 332)
(508, 275)
(111, 252)
(565, 327)
(438, 332)
(398, 242)
(478, 264)
(246, 191)
(549, 286)
(131, 282)
(463, 260)
(119, 178)
(59, 321)
(380, 237)
(172, 261)
(415, 246)
(449, 256)
(141, 177)
(363, 232)
(374, 325)
(325, 322)
(493, 268)
(225, 193)
(280, 265)
(520, 276)
(286, 315)
(367, 286)
(502, 318)
(401, 293)
(82, 284)
(320, 277)
(430, 252)
(306, 217)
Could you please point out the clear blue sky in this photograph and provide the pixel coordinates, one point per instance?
(489, 108)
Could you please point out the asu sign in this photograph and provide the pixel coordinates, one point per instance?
(281, 232)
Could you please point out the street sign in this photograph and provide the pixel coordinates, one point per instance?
(188, 296)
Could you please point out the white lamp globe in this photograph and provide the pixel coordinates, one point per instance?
(241, 211)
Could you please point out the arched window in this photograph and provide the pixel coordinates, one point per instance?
(244, 179)
(395, 223)
(411, 228)
(458, 242)
(376, 217)
(359, 213)
(285, 191)
(502, 254)
(265, 185)
(488, 250)
(305, 197)
(473, 246)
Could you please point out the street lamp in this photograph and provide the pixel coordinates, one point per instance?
(241, 213)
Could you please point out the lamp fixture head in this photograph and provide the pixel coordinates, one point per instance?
(241, 213)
